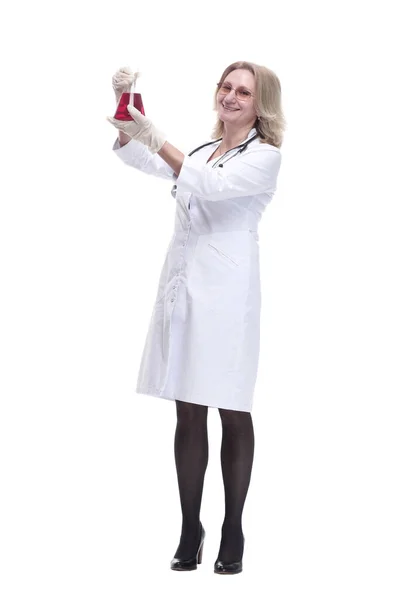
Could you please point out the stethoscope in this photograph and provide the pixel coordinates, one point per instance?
(241, 148)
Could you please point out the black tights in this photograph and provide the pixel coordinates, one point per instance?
(191, 458)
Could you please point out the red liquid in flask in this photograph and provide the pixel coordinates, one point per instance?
(122, 113)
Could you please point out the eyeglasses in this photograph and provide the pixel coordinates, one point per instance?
(241, 92)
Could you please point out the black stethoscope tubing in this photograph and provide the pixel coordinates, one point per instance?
(239, 149)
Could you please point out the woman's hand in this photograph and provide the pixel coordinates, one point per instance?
(122, 81)
(141, 129)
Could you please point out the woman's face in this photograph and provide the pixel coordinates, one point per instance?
(238, 110)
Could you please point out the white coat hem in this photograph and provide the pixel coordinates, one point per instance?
(157, 394)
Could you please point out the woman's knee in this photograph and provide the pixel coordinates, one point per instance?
(188, 412)
(235, 419)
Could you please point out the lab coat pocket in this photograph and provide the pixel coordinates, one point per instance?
(223, 255)
(219, 271)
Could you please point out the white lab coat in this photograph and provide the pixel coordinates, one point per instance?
(202, 344)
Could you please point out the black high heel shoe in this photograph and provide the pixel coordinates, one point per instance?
(190, 564)
(224, 568)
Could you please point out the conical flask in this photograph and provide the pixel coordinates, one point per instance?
(133, 97)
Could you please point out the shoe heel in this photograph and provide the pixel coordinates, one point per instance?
(200, 554)
(190, 564)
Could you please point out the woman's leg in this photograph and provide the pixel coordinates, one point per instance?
(191, 458)
(237, 451)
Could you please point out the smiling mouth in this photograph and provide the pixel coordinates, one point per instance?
(230, 109)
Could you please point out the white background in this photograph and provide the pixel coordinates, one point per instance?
(89, 500)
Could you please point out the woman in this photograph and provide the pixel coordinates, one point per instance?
(202, 345)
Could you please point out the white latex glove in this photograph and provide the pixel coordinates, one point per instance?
(141, 129)
(122, 81)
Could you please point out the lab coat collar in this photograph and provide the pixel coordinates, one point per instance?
(252, 132)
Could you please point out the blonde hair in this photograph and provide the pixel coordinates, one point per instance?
(271, 123)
